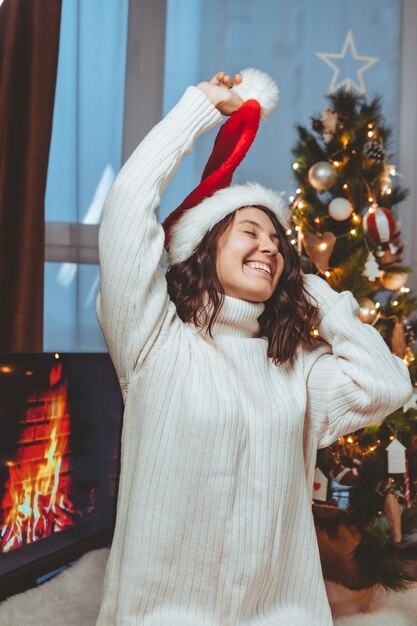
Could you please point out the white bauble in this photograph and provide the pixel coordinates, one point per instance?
(322, 175)
(340, 209)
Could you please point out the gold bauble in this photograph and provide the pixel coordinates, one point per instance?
(368, 312)
(394, 280)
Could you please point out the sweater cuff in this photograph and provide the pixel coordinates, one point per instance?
(195, 112)
(322, 294)
(340, 317)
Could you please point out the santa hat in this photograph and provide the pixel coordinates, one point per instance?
(215, 198)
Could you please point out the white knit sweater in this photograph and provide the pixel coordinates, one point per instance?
(214, 523)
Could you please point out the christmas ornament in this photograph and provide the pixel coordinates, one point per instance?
(393, 514)
(329, 119)
(396, 457)
(373, 152)
(379, 224)
(398, 342)
(319, 248)
(320, 485)
(368, 313)
(345, 471)
(317, 125)
(371, 270)
(327, 125)
(393, 280)
(340, 209)
(392, 252)
(322, 175)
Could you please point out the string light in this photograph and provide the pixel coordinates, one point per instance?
(370, 199)
(371, 133)
(388, 191)
(371, 209)
(300, 205)
(295, 166)
(345, 186)
(370, 125)
(298, 190)
(293, 241)
(327, 273)
(292, 198)
(353, 231)
(317, 220)
(289, 231)
(356, 218)
(323, 246)
(297, 228)
(395, 303)
(336, 163)
(393, 171)
(345, 140)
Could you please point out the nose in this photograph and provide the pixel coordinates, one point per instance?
(268, 246)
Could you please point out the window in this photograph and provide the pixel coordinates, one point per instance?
(85, 155)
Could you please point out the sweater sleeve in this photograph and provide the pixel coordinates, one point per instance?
(355, 380)
(133, 304)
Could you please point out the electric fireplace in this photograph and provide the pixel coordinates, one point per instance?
(60, 426)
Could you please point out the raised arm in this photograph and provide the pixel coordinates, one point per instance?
(356, 380)
(133, 306)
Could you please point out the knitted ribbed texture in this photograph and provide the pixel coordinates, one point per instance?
(214, 524)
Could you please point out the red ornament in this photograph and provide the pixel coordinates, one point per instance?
(379, 224)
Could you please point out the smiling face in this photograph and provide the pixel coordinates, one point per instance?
(249, 262)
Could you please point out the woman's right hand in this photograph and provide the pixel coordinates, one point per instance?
(219, 91)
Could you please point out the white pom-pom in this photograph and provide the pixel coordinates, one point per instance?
(259, 86)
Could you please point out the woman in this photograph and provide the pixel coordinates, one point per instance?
(227, 397)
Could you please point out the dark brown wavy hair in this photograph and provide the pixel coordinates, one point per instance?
(288, 316)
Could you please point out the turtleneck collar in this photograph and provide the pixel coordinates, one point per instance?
(238, 318)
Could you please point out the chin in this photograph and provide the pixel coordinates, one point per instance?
(250, 293)
(257, 296)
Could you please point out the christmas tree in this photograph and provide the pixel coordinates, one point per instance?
(345, 225)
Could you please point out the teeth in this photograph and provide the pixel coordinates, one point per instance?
(259, 266)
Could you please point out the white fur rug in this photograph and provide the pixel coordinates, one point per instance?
(72, 599)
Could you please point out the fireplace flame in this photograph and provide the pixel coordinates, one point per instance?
(36, 502)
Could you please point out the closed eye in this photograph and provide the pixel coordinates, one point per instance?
(248, 232)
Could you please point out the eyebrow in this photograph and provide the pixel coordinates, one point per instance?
(257, 225)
